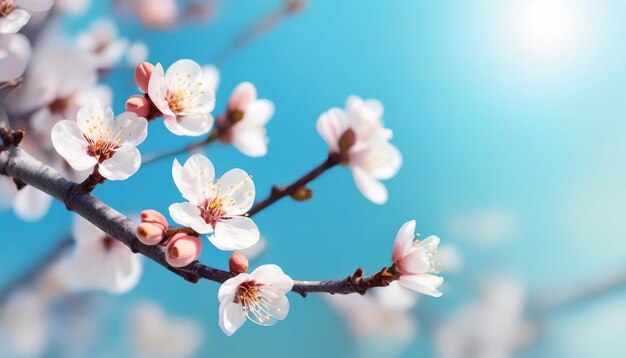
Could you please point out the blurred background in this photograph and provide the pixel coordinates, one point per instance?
(510, 119)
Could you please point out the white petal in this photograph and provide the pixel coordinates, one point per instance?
(13, 22)
(273, 275)
(193, 124)
(125, 271)
(426, 284)
(31, 204)
(124, 163)
(196, 179)
(258, 113)
(235, 233)
(231, 317)
(371, 188)
(157, 90)
(189, 215)
(380, 159)
(181, 73)
(227, 289)
(236, 191)
(95, 120)
(404, 241)
(250, 141)
(69, 142)
(415, 262)
(211, 75)
(331, 125)
(35, 5)
(243, 95)
(86, 233)
(133, 129)
(278, 303)
(16, 52)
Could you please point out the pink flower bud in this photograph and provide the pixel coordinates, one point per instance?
(154, 217)
(157, 13)
(238, 263)
(149, 233)
(142, 75)
(138, 105)
(182, 250)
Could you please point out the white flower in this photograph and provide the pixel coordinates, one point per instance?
(29, 204)
(371, 158)
(101, 44)
(153, 334)
(259, 296)
(72, 7)
(25, 324)
(184, 96)
(137, 53)
(96, 138)
(14, 55)
(14, 14)
(416, 261)
(99, 262)
(215, 207)
(249, 116)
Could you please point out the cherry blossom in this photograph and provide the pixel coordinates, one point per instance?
(14, 14)
(369, 154)
(184, 97)
(14, 55)
(101, 44)
(96, 138)
(217, 207)
(260, 296)
(417, 261)
(29, 204)
(248, 116)
(99, 262)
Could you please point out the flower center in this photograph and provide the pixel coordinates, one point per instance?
(175, 100)
(100, 148)
(258, 308)
(212, 210)
(6, 7)
(59, 105)
(108, 243)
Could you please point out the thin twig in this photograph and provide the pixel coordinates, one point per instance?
(154, 157)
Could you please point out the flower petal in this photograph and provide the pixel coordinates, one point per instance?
(232, 317)
(124, 163)
(14, 21)
(35, 5)
(273, 275)
(69, 142)
(236, 191)
(31, 204)
(133, 129)
(331, 125)
(158, 91)
(227, 289)
(192, 124)
(426, 284)
(371, 188)
(235, 233)
(17, 52)
(404, 241)
(196, 179)
(243, 95)
(250, 141)
(86, 233)
(189, 215)
(277, 303)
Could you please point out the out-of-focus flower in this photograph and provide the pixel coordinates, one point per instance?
(14, 14)
(416, 261)
(101, 45)
(137, 53)
(248, 116)
(215, 207)
(29, 204)
(157, 13)
(380, 322)
(255, 250)
(153, 334)
(14, 55)
(494, 326)
(211, 76)
(99, 262)
(184, 98)
(260, 296)
(359, 134)
(97, 138)
(24, 324)
(486, 227)
(72, 7)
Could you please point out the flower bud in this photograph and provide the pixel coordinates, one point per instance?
(347, 140)
(143, 71)
(138, 105)
(149, 233)
(302, 194)
(154, 217)
(182, 250)
(238, 263)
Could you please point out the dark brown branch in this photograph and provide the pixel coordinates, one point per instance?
(16, 163)
(281, 192)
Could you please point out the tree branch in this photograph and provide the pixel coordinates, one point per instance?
(16, 163)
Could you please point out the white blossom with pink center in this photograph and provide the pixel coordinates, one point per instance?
(14, 56)
(99, 262)
(14, 14)
(371, 158)
(417, 261)
(101, 45)
(97, 138)
(260, 296)
(184, 96)
(250, 115)
(215, 207)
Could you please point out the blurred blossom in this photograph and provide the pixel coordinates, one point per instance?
(486, 227)
(72, 7)
(101, 44)
(15, 53)
(211, 76)
(493, 326)
(157, 13)
(255, 250)
(99, 262)
(153, 334)
(14, 14)
(29, 204)
(24, 325)
(380, 321)
(137, 53)
(450, 259)
(370, 155)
